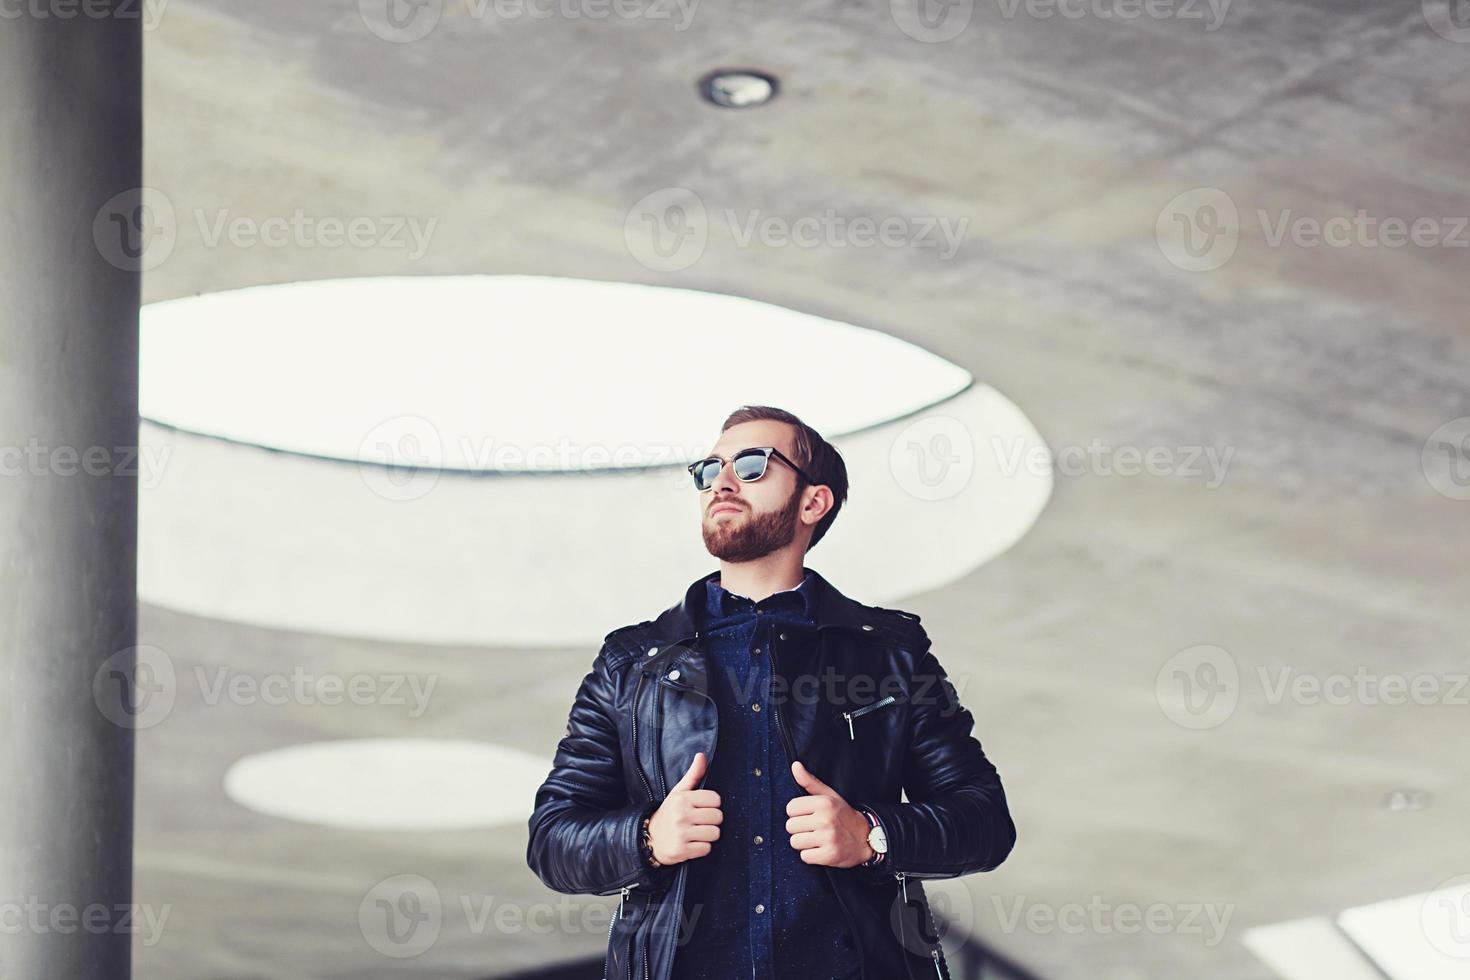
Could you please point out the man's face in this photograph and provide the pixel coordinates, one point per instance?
(753, 519)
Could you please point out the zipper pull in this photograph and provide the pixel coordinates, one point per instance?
(937, 972)
(850, 736)
(903, 886)
(622, 898)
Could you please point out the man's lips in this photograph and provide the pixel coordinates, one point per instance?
(723, 507)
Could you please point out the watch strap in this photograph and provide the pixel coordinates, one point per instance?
(873, 821)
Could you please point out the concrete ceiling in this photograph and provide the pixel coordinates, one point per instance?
(1321, 370)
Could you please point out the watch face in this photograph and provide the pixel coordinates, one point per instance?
(878, 840)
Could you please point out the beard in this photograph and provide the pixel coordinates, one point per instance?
(756, 536)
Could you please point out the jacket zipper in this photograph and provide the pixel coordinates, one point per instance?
(637, 760)
(903, 886)
(643, 777)
(679, 873)
(658, 750)
(632, 940)
(618, 914)
(850, 715)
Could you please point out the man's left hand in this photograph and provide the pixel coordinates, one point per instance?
(823, 827)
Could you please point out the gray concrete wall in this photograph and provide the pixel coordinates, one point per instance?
(70, 143)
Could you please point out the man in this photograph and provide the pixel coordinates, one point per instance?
(733, 768)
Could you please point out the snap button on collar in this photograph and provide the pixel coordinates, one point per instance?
(674, 674)
(652, 651)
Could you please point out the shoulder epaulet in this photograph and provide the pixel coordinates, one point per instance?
(897, 626)
(623, 643)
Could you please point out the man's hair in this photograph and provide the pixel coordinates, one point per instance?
(813, 454)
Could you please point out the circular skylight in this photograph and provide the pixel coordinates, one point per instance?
(390, 783)
(513, 373)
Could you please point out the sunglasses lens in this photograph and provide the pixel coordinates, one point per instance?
(750, 467)
(705, 473)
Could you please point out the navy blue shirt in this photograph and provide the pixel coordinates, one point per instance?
(753, 908)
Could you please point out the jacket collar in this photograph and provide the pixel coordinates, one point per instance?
(678, 624)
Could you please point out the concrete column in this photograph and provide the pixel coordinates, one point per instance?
(70, 143)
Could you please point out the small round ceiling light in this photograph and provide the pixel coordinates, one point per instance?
(738, 88)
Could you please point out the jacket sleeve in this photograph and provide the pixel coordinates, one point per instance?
(584, 830)
(956, 820)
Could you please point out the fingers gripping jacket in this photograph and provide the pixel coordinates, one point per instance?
(584, 830)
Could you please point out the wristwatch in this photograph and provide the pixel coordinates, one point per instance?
(877, 838)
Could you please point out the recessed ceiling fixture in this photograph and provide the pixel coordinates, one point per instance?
(1408, 800)
(738, 88)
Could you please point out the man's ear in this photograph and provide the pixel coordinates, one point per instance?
(823, 493)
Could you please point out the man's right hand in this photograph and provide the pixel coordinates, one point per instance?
(688, 820)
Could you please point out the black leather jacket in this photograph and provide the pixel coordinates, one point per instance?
(636, 725)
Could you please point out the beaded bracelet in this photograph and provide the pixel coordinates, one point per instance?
(647, 846)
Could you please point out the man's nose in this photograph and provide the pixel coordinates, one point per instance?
(726, 485)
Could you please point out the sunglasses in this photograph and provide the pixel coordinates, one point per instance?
(750, 464)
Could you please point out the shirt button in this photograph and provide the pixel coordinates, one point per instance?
(755, 707)
(759, 839)
(759, 909)
(757, 650)
(783, 636)
(757, 770)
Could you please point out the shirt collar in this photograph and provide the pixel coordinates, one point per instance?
(720, 602)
